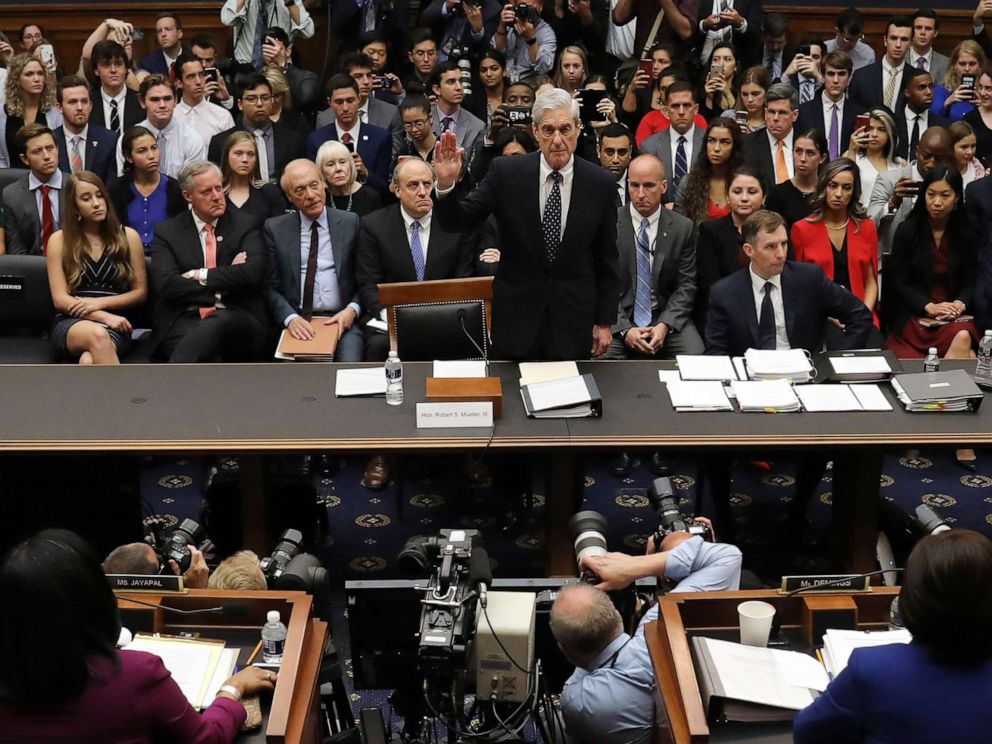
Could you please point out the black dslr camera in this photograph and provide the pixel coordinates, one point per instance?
(285, 550)
(525, 12)
(662, 497)
(176, 548)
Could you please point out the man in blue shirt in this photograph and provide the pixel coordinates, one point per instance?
(610, 696)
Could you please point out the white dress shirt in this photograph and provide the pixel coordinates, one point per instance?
(245, 20)
(206, 118)
(565, 188)
(688, 148)
(927, 65)
(425, 230)
(54, 184)
(622, 189)
(758, 289)
(120, 98)
(326, 290)
(178, 144)
(69, 137)
(635, 220)
(353, 131)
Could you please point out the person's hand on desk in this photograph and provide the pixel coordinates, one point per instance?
(248, 682)
(601, 335)
(197, 574)
(300, 329)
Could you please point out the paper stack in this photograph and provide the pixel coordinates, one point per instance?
(698, 395)
(838, 645)
(765, 396)
(702, 367)
(787, 364)
(200, 667)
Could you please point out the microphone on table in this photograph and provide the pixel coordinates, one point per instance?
(234, 609)
(470, 337)
(480, 573)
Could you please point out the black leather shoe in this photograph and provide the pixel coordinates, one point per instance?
(966, 459)
(622, 465)
(659, 464)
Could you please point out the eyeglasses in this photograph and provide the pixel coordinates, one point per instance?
(422, 53)
(32, 37)
(265, 98)
(419, 123)
(548, 130)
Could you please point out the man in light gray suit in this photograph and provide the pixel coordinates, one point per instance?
(37, 194)
(449, 114)
(658, 265)
(924, 34)
(310, 258)
(681, 143)
(895, 190)
(370, 110)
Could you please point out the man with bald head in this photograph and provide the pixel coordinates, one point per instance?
(310, 254)
(658, 268)
(610, 696)
(404, 243)
(895, 190)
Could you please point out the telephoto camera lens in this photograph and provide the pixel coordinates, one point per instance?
(588, 531)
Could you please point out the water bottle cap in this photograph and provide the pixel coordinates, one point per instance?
(393, 355)
(988, 333)
(273, 616)
(933, 350)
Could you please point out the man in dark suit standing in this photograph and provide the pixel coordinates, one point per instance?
(830, 111)
(371, 146)
(207, 269)
(770, 149)
(403, 243)
(658, 265)
(115, 106)
(310, 257)
(281, 143)
(777, 304)
(82, 145)
(558, 283)
(881, 82)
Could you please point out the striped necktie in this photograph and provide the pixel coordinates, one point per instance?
(642, 292)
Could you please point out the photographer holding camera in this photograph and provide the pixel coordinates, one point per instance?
(527, 41)
(140, 559)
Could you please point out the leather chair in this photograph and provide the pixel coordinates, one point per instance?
(26, 311)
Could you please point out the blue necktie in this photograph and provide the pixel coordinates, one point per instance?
(417, 250)
(642, 293)
(681, 167)
(551, 224)
(261, 24)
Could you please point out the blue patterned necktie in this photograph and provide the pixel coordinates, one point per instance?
(642, 292)
(417, 250)
(261, 24)
(681, 166)
(551, 224)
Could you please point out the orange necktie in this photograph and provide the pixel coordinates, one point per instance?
(209, 261)
(781, 169)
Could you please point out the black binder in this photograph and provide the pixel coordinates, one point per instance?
(588, 405)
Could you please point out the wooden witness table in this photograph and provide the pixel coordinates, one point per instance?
(291, 713)
(680, 717)
(272, 408)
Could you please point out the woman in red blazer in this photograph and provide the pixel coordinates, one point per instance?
(838, 236)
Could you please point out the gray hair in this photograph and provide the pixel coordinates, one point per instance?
(588, 626)
(335, 149)
(553, 100)
(782, 92)
(193, 169)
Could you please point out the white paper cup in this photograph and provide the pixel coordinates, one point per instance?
(756, 622)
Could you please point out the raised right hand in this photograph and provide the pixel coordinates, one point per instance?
(447, 161)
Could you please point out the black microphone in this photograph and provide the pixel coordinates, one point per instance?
(480, 573)
(777, 620)
(235, 609)
(485, 356)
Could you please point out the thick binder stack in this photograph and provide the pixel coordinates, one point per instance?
(953, 390)
(765, 396)
(864, 365)
(786, 364)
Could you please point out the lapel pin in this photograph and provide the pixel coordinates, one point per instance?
(664, 235)
(220, 238)
(93, 143)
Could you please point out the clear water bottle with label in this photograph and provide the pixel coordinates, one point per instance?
(932, 361)
(273, 638)
(394, 379)
(984, 367)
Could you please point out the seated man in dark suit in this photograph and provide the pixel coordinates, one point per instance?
(402, 243)
(310, 255)
(913, 115)
(31, 203)
(82, 145)
(207, 269)
(658, 266)
(882, 82)
(280, 142)
(371, 146)
(777, 304)
(169, 37)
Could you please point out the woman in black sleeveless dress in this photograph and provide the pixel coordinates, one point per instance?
(96, 269)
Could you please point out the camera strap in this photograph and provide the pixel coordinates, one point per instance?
(613, 659)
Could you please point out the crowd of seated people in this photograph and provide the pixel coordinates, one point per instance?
(202, 161)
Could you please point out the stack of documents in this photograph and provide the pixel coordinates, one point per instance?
(765, 396)
(854, 366)
(702, 367)
(753, 684)
(787, 364)
(698, 395)
(199, 667)
(571, 397)
(830, 397)
(938, 391)
(361, 381)
(838, 645)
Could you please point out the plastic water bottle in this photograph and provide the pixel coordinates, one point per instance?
(932, 362)
(984, 367)
(394, 379)
(895, 618)
(273, 638)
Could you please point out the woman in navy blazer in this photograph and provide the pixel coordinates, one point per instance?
(935, 689)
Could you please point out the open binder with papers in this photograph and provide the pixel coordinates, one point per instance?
(860, 365)
(765, 396)
(200, 667)
(953, 390)
(570, 397)
(779, 364)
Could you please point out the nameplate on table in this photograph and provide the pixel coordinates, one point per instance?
(825, 583)
(455, 415)
(145, 583)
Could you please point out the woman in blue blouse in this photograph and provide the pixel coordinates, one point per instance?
(143, 196)
(951, 99)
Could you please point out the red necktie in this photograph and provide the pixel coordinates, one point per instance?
(47, 221)
(209, 261)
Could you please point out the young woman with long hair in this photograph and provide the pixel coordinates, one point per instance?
(243, 185)
(702, 195)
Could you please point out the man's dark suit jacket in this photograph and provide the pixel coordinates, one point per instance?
(811, 115)
(673, 270)
(23, 223)
(978, 206)
(100, 156)
(902, 131)
(384, 254)
(536, 303)
(287, 142)
(375, 147)
(717, 248)
(758, 152)
(175, 249)
(155, 62)
(748, 45)
(867, 87)
(131, 115)
(808, 298)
